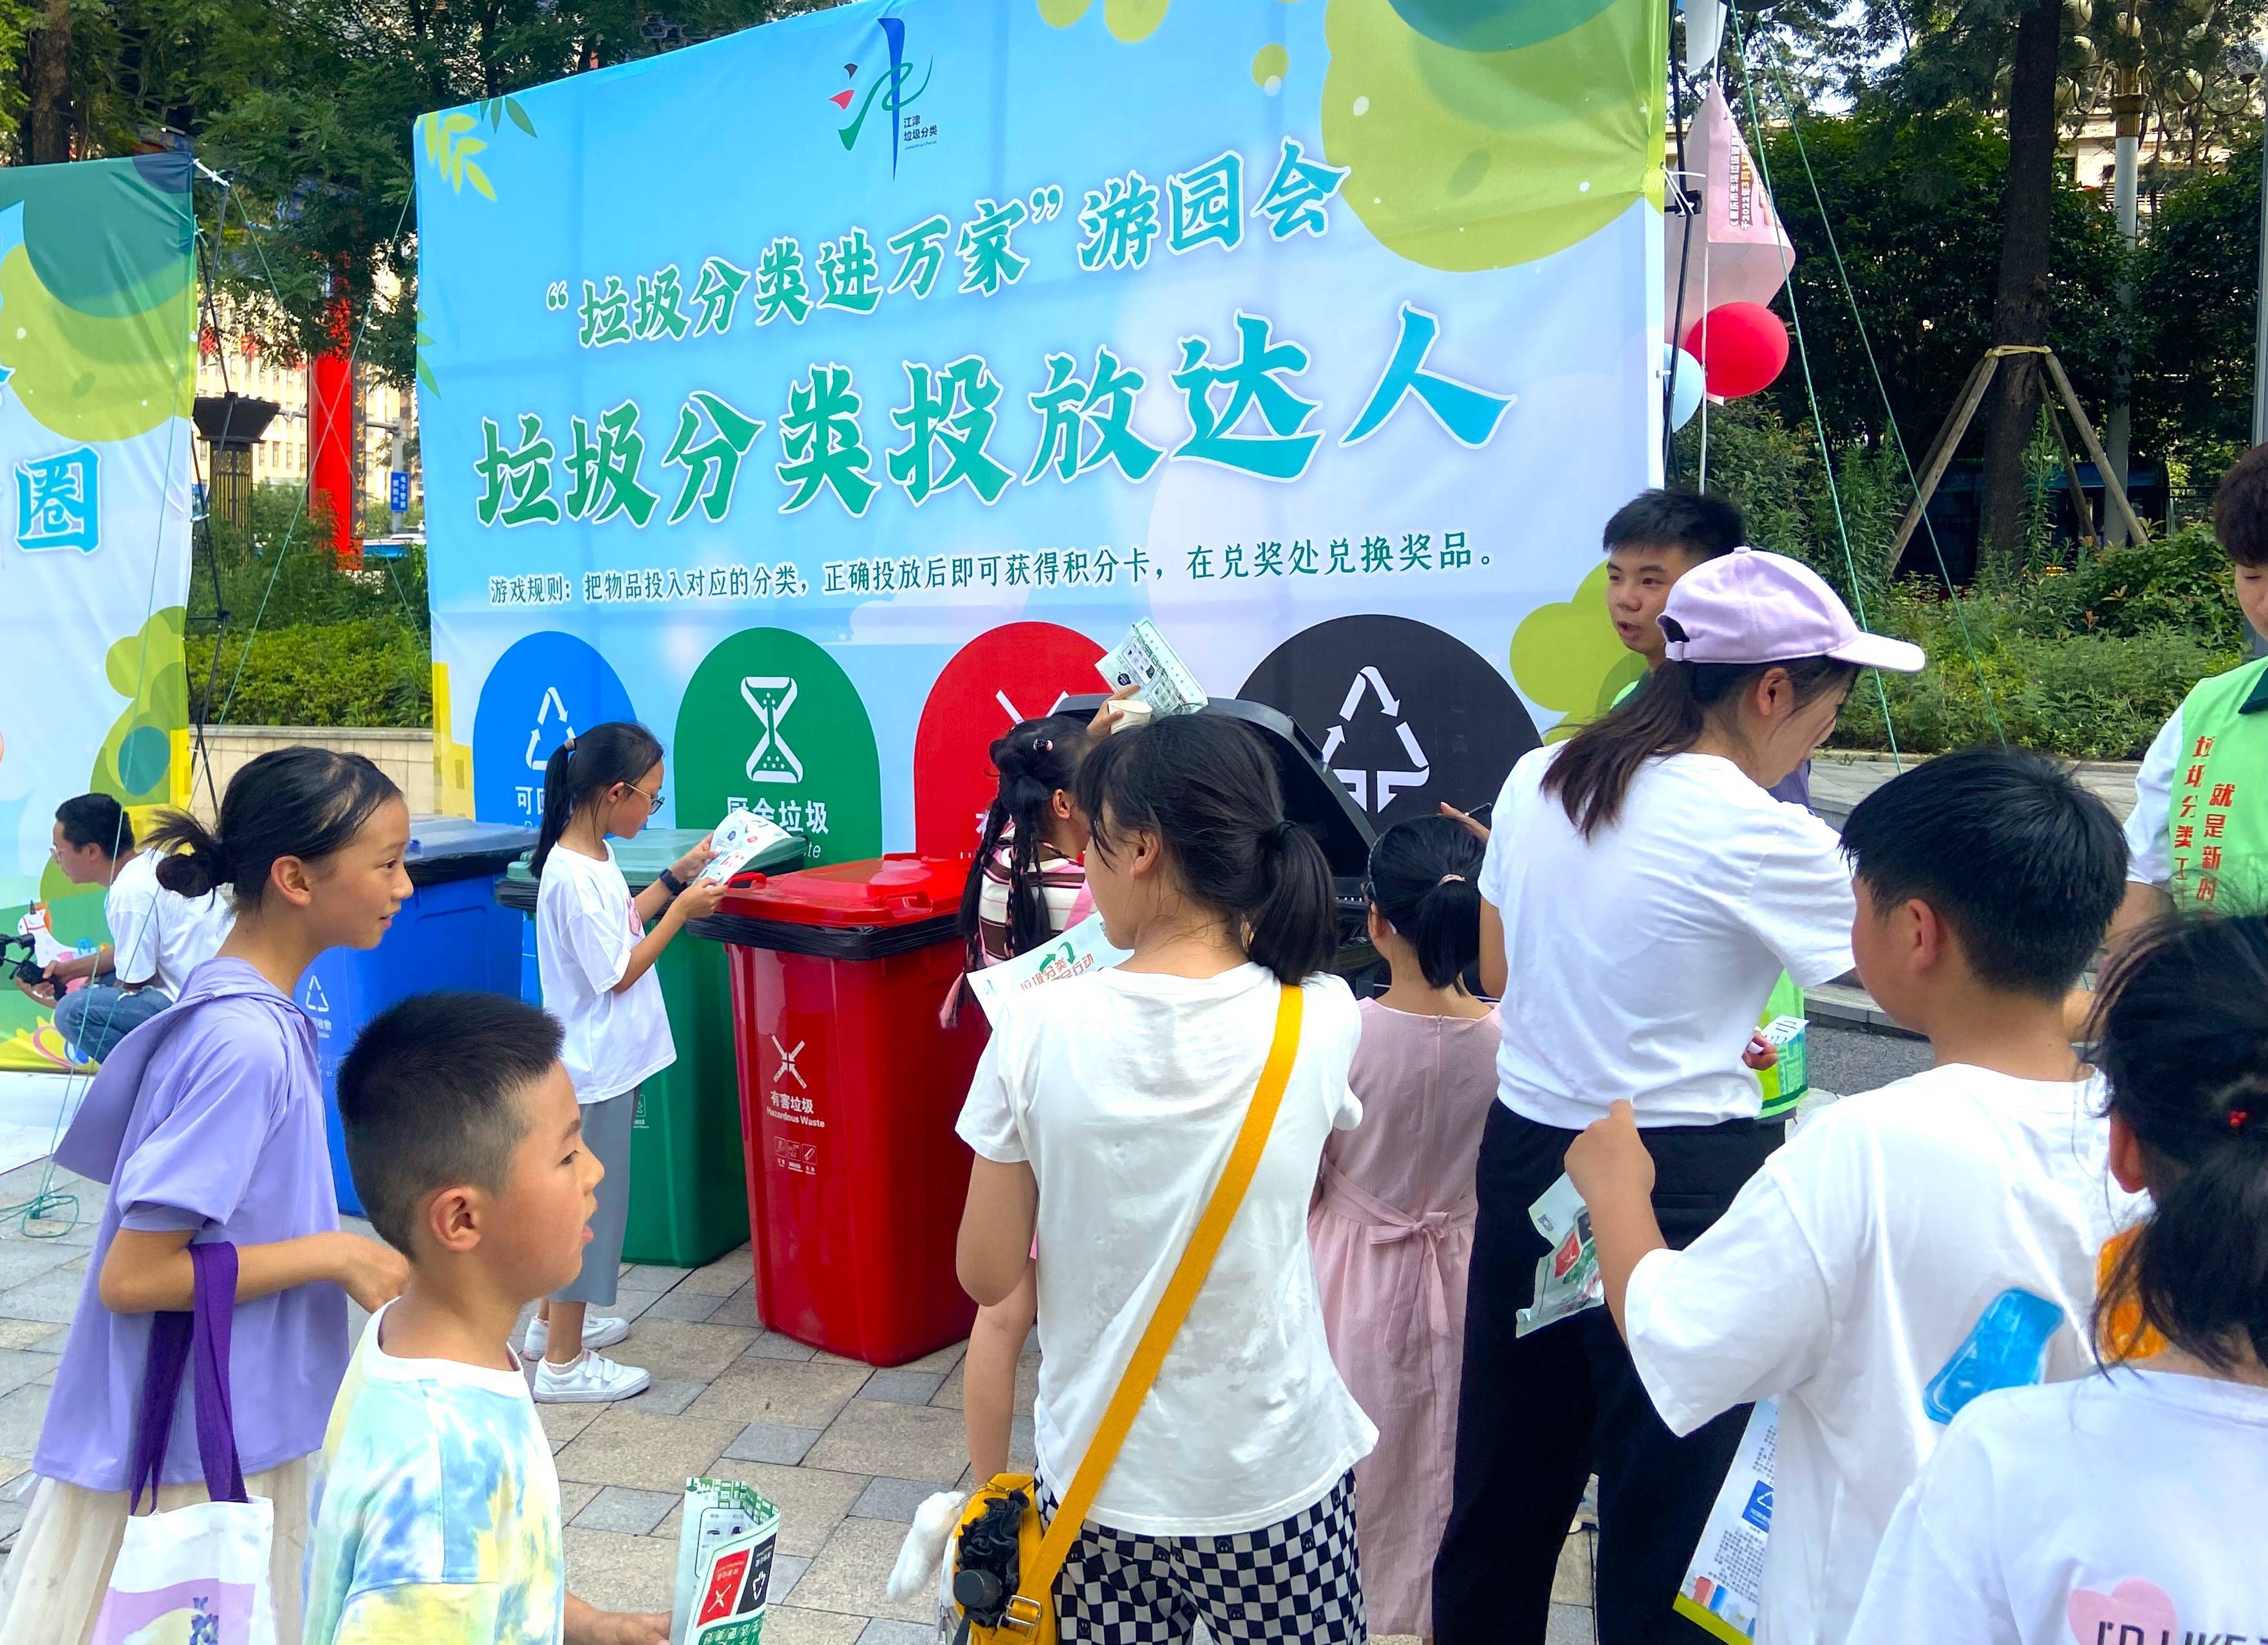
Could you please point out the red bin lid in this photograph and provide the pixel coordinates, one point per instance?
(901, 889)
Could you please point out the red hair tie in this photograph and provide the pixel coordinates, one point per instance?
(2237, 1117)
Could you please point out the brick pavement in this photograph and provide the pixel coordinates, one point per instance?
(847, 1451)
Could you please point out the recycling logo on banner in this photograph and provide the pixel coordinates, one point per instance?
(771, 760)
(1375, 791)
(770, 723)
(550, 710)
(1407, 717)
(547, 687)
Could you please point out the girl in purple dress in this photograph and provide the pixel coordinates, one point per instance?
(207, 1122)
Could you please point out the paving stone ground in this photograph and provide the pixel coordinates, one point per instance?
(847, 1450)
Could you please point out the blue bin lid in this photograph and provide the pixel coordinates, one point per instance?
(434, 837)
(459, 847)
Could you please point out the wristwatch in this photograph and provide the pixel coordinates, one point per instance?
(670, 883)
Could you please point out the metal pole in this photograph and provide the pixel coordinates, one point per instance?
(2126, 111)
(2260, 307)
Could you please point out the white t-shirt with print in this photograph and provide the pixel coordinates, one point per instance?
(1909, 1249)
(2114, 1509)
(159, 937)
(1124, 1092)
(1639, 960)
(586, 927)
(2149, 855)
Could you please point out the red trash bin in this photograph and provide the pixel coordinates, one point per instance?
(849, 1092)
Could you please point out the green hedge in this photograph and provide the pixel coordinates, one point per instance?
(368, 672)
(2086, 661)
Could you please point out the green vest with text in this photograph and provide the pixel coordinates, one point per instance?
(2217, 813)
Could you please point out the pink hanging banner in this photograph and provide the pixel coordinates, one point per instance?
(1734, 249)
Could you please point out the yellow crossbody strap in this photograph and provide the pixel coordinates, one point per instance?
(1173, 1307)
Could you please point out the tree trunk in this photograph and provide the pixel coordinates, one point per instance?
(2020, 308)
(47, 122)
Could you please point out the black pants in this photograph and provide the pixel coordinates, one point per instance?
(1539, 1414)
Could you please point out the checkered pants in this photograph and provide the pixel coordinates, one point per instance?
(1298, 1579)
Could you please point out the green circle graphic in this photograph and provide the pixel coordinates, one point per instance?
(770, 720)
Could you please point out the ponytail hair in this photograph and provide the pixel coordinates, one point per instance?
(1035, 759)
(617, 751)
(304, 803)
(1425, 882)
(1206, 787)
(1666, 714)
(2182, 1028)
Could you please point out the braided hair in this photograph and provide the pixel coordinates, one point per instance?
(1035, 760)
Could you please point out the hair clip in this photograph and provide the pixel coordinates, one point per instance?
(2238, 1117)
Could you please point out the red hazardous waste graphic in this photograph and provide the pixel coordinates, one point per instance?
(1013, 672)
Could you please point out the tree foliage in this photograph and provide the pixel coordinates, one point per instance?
(306, 105)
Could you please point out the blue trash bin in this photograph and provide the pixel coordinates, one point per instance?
(450, 934)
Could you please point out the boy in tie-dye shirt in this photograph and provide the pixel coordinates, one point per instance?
(438, 1517)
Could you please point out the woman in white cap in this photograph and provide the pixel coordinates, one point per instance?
(1642, 894)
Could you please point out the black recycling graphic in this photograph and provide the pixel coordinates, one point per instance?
(1407, 717)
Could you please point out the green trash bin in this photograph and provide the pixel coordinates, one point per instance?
(689, 1180)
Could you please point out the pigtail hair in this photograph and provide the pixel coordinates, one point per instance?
(1035, 759)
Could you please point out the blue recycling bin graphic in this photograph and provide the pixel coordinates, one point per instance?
(542, 691)
(451, 933)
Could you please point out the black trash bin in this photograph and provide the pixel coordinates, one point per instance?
(1317, 802)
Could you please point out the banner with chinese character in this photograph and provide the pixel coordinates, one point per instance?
(98, 373)
(832, 395)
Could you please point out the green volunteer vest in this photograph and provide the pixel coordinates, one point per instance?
(2217, 813)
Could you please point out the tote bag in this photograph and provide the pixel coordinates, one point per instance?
(194, 1575)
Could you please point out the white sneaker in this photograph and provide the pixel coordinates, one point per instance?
(599, 1331)
(592, 1379)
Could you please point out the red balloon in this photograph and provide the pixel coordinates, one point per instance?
(1742, 347)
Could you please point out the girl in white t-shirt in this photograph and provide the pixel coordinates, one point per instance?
(1101, 1117)
(1641, 894)
(2128, 1506)
(596, 958)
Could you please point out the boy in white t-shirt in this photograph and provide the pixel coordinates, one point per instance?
(1918, 1245)
(2125, 1509)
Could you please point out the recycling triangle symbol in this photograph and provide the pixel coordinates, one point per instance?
(315, 1000)
(1374, 791)
(550, 709)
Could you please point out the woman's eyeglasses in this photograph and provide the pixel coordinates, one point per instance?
(652, 801)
